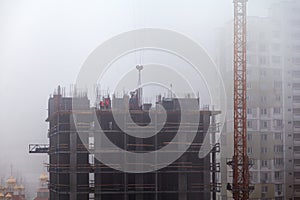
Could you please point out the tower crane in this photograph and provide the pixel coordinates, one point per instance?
(240, 161)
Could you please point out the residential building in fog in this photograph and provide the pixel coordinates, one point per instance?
(273, 102)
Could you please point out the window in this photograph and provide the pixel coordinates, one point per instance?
(249, 85)
(296, 74)
(251, 59)
(263, 72)
(296, 111)
(296, 86)
(276, 110)
(276, 60)
(263, 98)
(263, 111)
(277, 98)
(278, 136)
(262, 35)
(278, 187)
(249, 136)
(253, 177)
(296, 99)
(297, 175)
(296, 48)
(278, 148)
(249, 124)
(251, 46)
(276, 47)
(263, 150)
(262, 60)
(297, 162)
(253, 163)
(297, 149)
(265, 176)
(297, 188)
(264, 137)
(264, 163)
(248, 99)
(249, 150)
(249, 111)
(277, 84)
(277, 72)
(297, 136)
(264, 124)
(264, 189)
(296, 124)
(278, 123)
(248, 71)
(278, 175)
(296, 61)
(262, 47)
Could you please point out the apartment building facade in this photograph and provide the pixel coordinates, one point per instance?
(273, 99)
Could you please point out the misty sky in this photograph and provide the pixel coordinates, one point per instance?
(43, 43)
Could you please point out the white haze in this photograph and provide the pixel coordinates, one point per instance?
(44, 43)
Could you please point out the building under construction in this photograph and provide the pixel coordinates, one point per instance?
(76, 173)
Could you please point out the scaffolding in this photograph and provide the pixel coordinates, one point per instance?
(75, 172)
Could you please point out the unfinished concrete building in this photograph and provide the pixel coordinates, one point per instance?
(76, 173)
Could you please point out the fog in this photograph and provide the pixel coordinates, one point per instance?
(44, 43)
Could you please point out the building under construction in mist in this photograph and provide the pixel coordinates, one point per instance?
(76, 173)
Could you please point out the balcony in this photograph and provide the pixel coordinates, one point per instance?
(296, 77)
(296, 166)
(278, 193)
(296, 92)
(296, 104)
(296, 142)
(297, 155)
(297, 116)
(296, 190)
(279, 167)
(296, 179)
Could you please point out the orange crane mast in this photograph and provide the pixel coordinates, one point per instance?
(240, 161)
